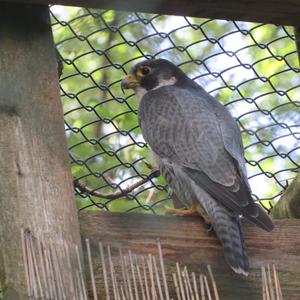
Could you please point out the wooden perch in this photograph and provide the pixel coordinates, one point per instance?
(36, 183)
(288, 205)
(187, 240)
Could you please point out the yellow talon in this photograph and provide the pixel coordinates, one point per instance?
(182, 212)
(194, 211)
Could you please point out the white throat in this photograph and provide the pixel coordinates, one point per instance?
(141, 92)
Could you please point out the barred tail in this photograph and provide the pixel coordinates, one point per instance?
(225, 224)
(228, 230)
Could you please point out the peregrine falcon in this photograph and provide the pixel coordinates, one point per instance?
(198, 147)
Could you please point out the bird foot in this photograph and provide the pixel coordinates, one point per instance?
(182, 212)
(191, 212)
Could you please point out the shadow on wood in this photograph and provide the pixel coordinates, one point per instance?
(188, 241)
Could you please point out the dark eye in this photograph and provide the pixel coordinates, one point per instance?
(145, 70)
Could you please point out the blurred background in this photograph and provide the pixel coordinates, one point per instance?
(251, 68)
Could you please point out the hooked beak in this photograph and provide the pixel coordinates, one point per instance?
(129, 82)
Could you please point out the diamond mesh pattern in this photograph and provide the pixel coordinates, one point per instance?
(251, 68)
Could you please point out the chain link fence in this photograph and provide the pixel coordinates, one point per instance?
(251, 68)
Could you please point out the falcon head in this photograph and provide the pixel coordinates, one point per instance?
(152, 74)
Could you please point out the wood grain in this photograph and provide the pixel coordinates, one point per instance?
(187, 241)
(35, 179)
(266, 11)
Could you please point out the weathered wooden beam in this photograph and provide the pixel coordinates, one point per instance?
(288, 205)
(35, 180)
(188, 241)
(266, 11)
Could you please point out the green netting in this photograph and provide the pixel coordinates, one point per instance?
(252, 68)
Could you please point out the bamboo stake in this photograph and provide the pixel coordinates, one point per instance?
(105, 277)
(201, 279)
(82, 282)
(133, 275)
(25, 260)
(195, 286)
(180, 282)
(162, 266)
(145, 278)
(124, 274)
(177, 290)
(140, 278)
(216, 294)
(91, 269)
(207, 288)
(158, 283)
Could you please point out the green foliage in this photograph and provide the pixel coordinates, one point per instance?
(251, 68)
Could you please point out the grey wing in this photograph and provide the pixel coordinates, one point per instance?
(226, 225)
(192, 131)
(184, 127)
(232, 138)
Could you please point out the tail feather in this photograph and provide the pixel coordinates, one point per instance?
(239, 201)
(229, 232)
(228, 229)
(262, 219)
(226, 226)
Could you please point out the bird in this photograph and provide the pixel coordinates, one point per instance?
(198, 148)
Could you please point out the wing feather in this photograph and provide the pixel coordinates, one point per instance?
(182, 126)
(194, 131)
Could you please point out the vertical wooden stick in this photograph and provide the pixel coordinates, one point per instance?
(201, 279)
(151, 275)
(185, 286)
(277, 283)
(113, 275)
(71, 279)
(31, 266)
(162, 266)
(104, 271)
(140, 278)
(180, 281)
(124, 274)
(25, 260)
(57, 272)
(196, 291)
(270, 282)
(214, 285)
(177, 290)
(207, 288)
(91, 269)
(145, 278)
(265, 284)
(185, 270)
(133, 275)
(81, 275)
(43, 270)
(158, 283)
(127, 266)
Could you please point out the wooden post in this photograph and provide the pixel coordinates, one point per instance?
(35, 180)
(188, 241)
(288, 205)
(265, 11)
